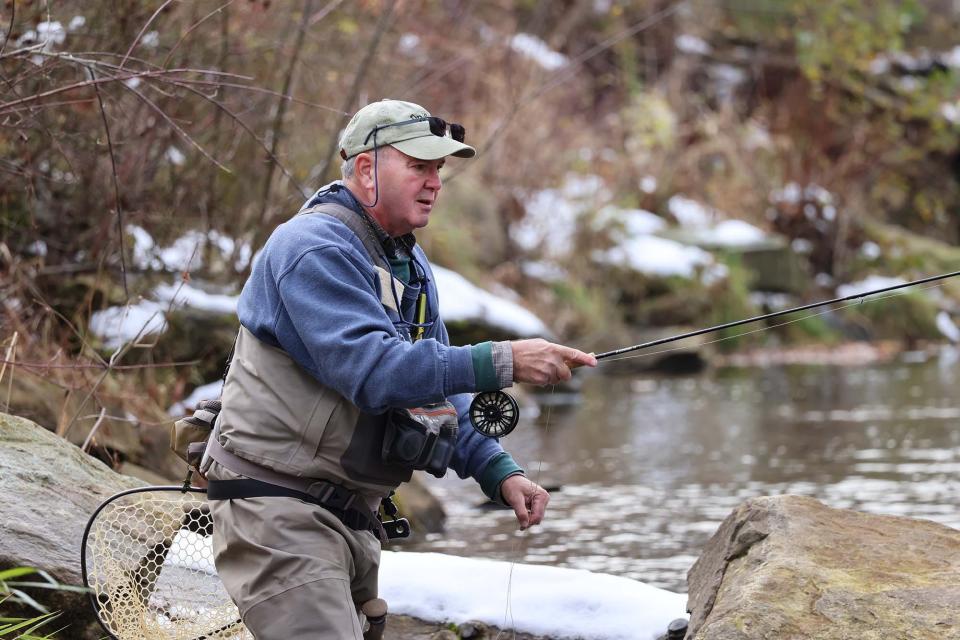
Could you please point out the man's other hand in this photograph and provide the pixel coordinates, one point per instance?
(540, 362)
(528, 499)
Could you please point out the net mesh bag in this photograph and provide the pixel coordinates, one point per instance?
(148, 559)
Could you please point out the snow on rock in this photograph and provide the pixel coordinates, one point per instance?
(731, 233)
(950, 112)
(537, 50)
(870, 250)
(175, 156)
(690, 213)
(636, 222)
(691, 44)
(870, 283)
(51, 33)
(187, 296)
(185, 252)
(657, 256)
(550, 601)
(116, 326)
(552, 214)
(209, 391)
(947, 327)
(462, 301)
(543, 270)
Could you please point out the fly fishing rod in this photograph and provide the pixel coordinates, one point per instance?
(496, 413)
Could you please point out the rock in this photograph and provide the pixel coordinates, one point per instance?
(45, 403)
(690, 355)
(444, 634)
(148, 476)
(791, 567)
(474, 630)
(50, 489)
(401, 627)
(116, 440)
(420, 506)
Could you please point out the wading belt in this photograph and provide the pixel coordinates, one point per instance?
(348, 507)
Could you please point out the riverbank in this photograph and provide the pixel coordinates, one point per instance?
(849, 354)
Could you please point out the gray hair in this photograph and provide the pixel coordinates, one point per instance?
(347, 166)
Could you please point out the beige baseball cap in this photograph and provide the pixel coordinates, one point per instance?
(405, 126)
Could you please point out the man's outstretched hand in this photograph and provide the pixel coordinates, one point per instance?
(528, 499)
(540, 362)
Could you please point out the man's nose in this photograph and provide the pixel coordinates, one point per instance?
(434, 181)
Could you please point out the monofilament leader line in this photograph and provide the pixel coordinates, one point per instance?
(650, 354)
(495, 414)
(775, 314)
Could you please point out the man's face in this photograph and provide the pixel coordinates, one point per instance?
(408, 191)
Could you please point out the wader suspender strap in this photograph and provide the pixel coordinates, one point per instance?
(358, 225)
(261, 481)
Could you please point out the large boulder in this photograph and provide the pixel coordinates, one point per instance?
(791, 567)
(50, 488)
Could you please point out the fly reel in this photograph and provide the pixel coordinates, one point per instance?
(494, 413)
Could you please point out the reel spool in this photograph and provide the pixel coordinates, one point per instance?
(494, 413)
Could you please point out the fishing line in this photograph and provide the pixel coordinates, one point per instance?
(508, 611)
(776, 314)
(852, 301)
(858, 302)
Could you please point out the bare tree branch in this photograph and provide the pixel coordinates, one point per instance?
(116, 189)
(236, 118)
(6, 36)
(186, 136)
(192, 27)
(277, 128)
(351, 98)
(146, 25)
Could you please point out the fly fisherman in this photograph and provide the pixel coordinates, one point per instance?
(343, 382)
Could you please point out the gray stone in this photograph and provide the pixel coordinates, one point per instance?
(49, 490)
(417, 503)
(791, 567)
(473, 630)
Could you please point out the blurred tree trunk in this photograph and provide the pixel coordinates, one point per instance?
(349, 103)
(264, 224)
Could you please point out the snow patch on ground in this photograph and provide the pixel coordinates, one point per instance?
(550, 601)
(460, 300)
(870, 283)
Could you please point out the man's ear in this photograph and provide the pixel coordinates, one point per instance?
(363, 169)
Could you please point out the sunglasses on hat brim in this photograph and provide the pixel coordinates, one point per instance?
(438, 127)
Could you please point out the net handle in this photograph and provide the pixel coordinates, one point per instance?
(86, 533)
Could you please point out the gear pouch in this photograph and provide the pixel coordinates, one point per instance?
(422, 438)
(188, 436)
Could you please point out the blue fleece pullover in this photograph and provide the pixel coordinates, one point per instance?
(314, 293)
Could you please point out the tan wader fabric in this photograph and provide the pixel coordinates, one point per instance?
(294, 570)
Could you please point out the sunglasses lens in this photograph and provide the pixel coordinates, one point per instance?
(457, 132)
(438, 126)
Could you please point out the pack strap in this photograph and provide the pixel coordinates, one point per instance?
(360, 227)
(363, 228)
(349, 507)
(333, 498)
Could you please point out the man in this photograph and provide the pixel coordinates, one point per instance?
(339, 334)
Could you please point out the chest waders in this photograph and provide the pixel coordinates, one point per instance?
(367, 447)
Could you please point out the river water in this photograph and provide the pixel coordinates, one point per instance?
(645, 469)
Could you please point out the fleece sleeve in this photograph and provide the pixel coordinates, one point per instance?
(334, 308)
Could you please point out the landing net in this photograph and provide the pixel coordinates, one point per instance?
(147, 555)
